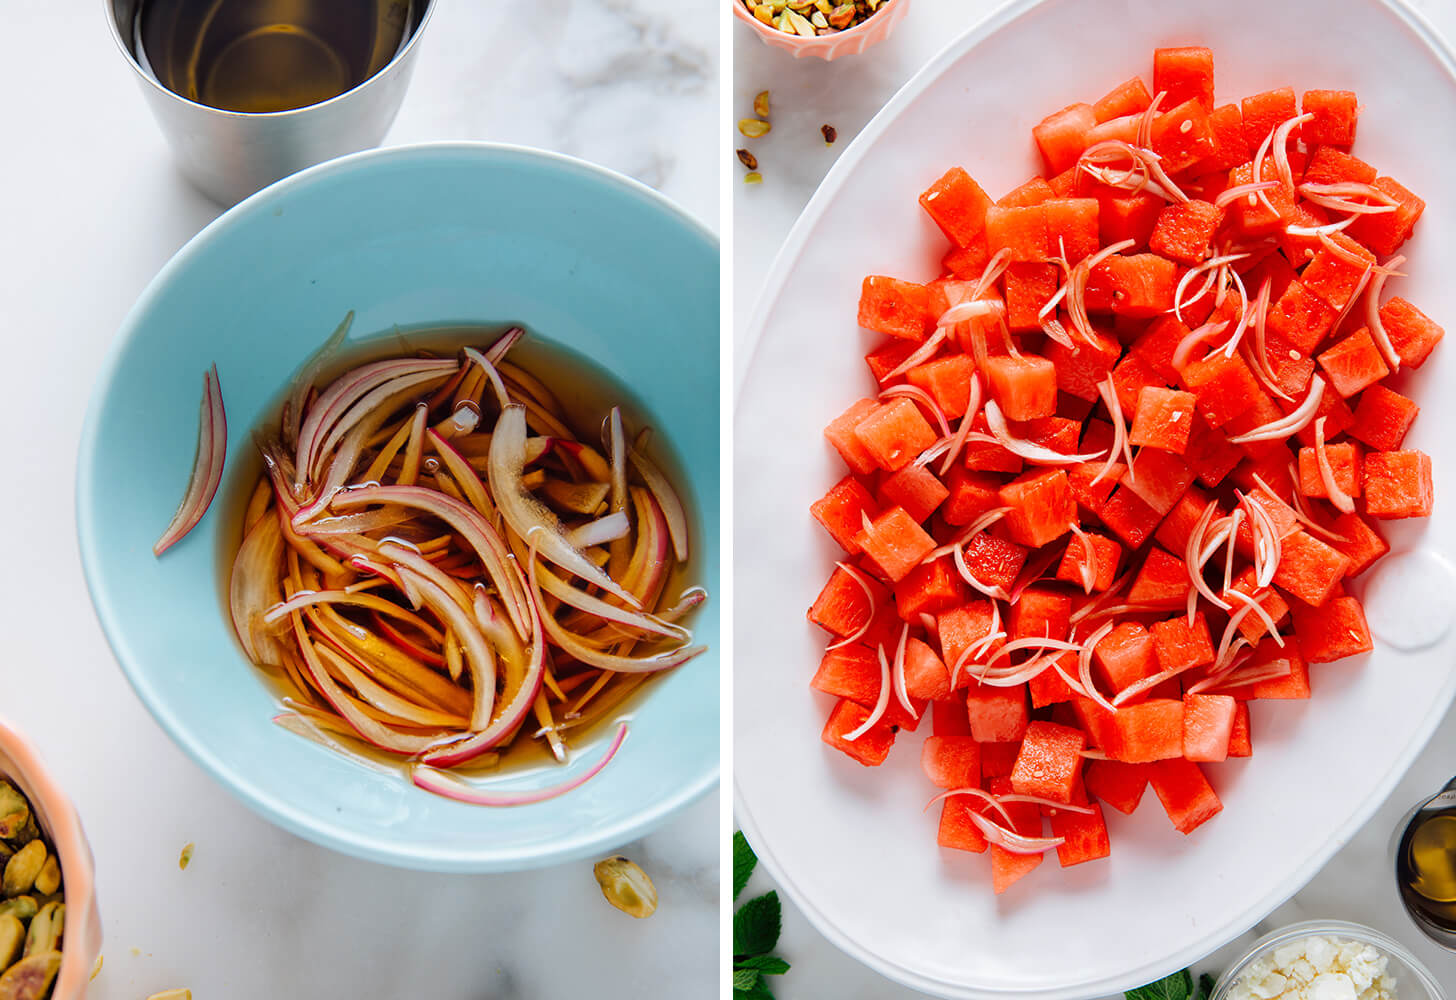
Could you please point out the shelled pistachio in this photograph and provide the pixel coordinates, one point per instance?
(33, 911)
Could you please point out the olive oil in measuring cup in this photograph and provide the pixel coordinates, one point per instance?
(262, 56)
(1426, 867)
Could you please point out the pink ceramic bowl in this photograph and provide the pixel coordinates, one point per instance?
(81, 942)
(876, 28)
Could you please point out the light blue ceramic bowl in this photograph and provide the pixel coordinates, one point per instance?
(407, 237)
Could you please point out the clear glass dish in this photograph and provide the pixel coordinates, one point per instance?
(1413, 981)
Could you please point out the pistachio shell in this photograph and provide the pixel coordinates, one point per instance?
(626, 886)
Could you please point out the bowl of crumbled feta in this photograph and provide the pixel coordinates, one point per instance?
(1328, 960)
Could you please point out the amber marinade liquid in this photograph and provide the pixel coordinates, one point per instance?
(260, 56)
(587, 392)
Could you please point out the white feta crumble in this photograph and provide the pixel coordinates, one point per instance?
(1317, 968)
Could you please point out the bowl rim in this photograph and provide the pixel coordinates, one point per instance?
(792, 247)
(574, 844)
(62, 823)
(794, 41)
(1328, 928)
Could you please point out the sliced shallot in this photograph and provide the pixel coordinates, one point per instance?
(207, 465)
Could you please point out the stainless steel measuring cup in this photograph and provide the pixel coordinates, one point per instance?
(231, 154)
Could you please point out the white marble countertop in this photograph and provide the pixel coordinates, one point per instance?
(1357, 884)
(92, 208)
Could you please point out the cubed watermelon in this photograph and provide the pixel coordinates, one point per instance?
(1025, 388)
(1062, 135)
(957, 830)
(894, 433)
(1049, 762)
(1184, 73)
(930, 588)
(895, 307)
(1148, 731)
(1084, 835)
(1332, 632)
(1344, 462)
(896, 542)
(1309, 568)
(958, 206)
(1398, 484)
(1335, 113)
(1042, 507)
(1411, 332)
(1119, 784)
(1208, 725)
(1125, 655)
(1382, 417)
(1041, 612)
(846, 603)
(871, 748)
(1184, 230)
(951, 761)
(1187, 797)
(997, 714)
(1353, 363)
(1105, 557)
(915, 488)
(842, 512)
(1385, 232)
(1180, 646)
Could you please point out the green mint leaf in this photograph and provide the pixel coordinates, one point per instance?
(1206, 983)
(767, 965)
(1178, 986)
(757, 923)
(745, 979)
(744, 861)
(760, 991)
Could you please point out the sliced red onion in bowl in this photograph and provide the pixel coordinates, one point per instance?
(206, 468)
(526, 515)
(452, 787)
